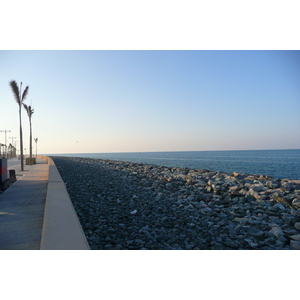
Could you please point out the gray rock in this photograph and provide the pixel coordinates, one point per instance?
(297, 225)
(296, 202)
(285, 186)
(273, 225)
(258, 188)
(205, 210)
(293, 212)
(279, 244)
(272, 184)
(243, 221)
(258, 234)
(139, 241)
(295, 245)
(217, 246)
(277, 231)
(295, 237)
(119, 247)
(280, 206)
(251, 243)
(288, 219)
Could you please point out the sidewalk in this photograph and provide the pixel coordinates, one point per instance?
(22, 207)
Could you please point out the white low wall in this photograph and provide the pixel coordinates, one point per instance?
(61, 229)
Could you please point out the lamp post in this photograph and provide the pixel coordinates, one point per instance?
(36, 140)
(5, 141)
(17, 150)
(1, 145)
(12, 140)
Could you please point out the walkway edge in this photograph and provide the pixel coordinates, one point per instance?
(61, 228)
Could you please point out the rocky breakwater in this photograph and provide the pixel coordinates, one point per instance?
(123, 205)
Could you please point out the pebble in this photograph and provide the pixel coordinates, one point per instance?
(124, 205)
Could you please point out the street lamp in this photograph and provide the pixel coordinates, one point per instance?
(12, 141)
(36, 140)
(1, 145)
(5, 141)
(17, 150)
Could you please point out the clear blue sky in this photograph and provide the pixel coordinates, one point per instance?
(132, 101)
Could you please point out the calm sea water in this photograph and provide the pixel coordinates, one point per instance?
(275, 163)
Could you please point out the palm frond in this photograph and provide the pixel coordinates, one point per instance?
(15, 90)
(29, 110)
(26, 107)
(25, 93)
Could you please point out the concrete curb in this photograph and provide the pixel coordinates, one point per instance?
(61, 228)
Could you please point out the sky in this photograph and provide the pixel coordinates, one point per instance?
(136, 101)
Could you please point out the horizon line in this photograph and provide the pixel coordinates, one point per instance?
(165, 151)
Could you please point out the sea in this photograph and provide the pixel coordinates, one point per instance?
(278, 164)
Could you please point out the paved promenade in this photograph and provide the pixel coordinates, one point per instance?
(22, 207)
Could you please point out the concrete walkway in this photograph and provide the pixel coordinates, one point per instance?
(22, 207)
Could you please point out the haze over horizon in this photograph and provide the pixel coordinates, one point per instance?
(145, 101)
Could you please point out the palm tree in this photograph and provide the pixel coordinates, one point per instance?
(19, 97)
(29, 113)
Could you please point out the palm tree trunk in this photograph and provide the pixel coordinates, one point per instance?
(21, 133)
(21, 141)
(30, 142)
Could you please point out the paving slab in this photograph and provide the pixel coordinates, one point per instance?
(22, 207)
